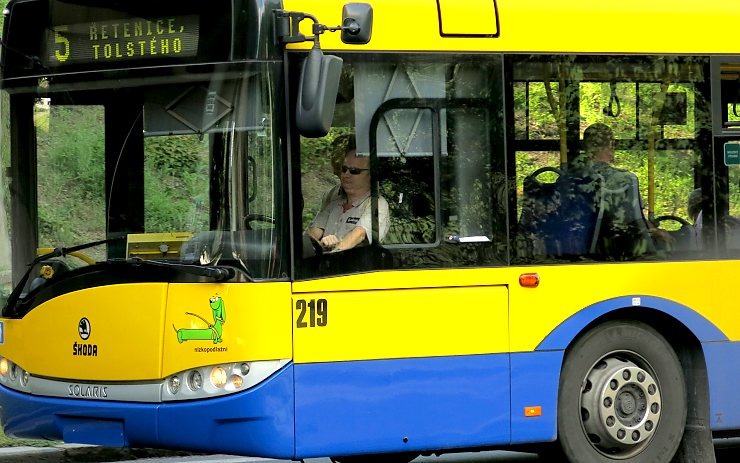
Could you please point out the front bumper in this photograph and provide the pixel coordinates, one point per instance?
(256, 422)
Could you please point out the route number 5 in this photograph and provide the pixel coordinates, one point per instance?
(317, 311)
(63, 54)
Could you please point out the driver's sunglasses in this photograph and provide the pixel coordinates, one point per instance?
(353, 170)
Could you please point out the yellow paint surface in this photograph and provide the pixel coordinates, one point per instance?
(257, 324)
(402, 323)
(532, 26)
(468, 17)
(133, 329)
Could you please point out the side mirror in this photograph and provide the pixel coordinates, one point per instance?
(357, 23)
(317, 93)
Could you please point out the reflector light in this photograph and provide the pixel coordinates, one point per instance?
(529, 280)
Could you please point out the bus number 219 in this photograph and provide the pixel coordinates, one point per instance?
(317, 313)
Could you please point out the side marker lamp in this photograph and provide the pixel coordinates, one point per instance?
(529, 280)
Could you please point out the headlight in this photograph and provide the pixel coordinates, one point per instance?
(218, 377)
(174, 385)
(218, 380)
(195, 380)
(13, 376)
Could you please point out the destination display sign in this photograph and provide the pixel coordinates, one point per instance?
(122, 40)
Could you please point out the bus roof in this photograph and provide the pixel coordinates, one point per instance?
(539, 26)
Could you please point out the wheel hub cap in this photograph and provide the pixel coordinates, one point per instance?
(620, 406)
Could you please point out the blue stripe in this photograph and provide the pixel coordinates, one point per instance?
(401, 405)
(257, 422)
(561, 336)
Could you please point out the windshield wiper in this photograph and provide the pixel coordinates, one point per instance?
(216, 272)
(15, 295)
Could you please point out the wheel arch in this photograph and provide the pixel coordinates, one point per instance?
(650, 309)
(684, 329)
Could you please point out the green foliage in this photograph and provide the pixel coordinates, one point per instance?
(616, 104)
(178, 155)
(176, 184)
(71, 174)
(71, 186)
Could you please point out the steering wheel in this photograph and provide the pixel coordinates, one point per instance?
(675, 218)
(316, 244)
(257, 218)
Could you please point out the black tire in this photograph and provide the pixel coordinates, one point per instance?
(622, 396)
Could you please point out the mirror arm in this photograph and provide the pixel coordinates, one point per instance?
(288, 23)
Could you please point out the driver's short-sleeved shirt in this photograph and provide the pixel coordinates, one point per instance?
(335, 221)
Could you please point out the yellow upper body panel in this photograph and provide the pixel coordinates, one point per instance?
(147, 331)
(533, 313)
(534, 26)
(101, 333)
(152, 330)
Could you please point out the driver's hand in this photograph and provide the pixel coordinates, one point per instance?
(660, 234)
(329, 242)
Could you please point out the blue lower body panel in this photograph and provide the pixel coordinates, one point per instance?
(535, 379)
(724, 381)
(403, 405)
(257, 422)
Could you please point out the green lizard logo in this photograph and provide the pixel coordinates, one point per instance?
(214, 330)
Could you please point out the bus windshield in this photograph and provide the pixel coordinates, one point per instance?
(178, 168)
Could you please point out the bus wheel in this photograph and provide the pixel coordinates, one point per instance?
(622, 396)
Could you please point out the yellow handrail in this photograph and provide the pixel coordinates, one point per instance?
(78, 254)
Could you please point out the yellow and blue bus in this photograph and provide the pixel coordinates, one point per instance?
(162, 162)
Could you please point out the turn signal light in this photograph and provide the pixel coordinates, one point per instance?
(529, 280)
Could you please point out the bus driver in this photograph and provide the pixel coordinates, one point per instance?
(345, 219)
